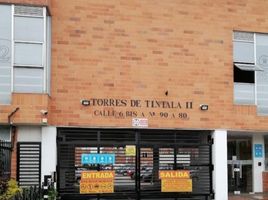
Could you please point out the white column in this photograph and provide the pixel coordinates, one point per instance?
(219, 159)
(49, 151)
(257, 170)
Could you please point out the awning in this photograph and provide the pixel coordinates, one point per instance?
(248, 67)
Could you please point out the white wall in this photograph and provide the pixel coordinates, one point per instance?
(257, 138)
(219, 159)
(49, 151)
(29, 134)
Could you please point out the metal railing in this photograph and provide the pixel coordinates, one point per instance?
(5, 159)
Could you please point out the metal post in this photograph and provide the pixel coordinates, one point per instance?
(45, 187)
(137, 166)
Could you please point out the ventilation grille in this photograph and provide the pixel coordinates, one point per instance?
(26, 10)
(245, 36)
(29, 164)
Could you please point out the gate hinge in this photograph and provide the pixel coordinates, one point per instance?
(210, 140)
(212, 195)
(212, 167)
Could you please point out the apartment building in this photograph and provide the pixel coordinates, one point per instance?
(162, 99)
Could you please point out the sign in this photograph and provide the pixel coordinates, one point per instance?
(130, 150)
(175, 181)
(95, 158)
(171, 174)
(140, 122)
(176, 185)
(140, 110)
(96, 187)
(258, 150)
(96, 182)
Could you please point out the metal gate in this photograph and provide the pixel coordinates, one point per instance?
(136, 175)
(5, 159)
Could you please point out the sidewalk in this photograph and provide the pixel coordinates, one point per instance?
(248, 197)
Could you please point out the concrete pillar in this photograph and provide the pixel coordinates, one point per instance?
(219, 160)
(49, 151)
(258, 162)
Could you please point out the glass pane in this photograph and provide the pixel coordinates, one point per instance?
(28, 54)
(5, 22)
(245, 36)
(5, 133)
(243, 52)
(244, 93)
(262, 77)
(48, 67)
(29, 29)
(5, 85)
(28, 80)
(241, 149)
(150, 166)
(266, 151)
(245, 150)
(5, 54)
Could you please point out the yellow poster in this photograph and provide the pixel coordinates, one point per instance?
(95, 182)
(96, 187)
(175, 181)
(171, 174)
(130, 150)
(97, 175)
(176, 185)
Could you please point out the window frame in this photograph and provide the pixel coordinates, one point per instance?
(44, 50)
(253, 64)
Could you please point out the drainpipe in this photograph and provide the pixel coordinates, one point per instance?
(13, 128)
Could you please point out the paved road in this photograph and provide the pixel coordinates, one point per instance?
(249, 197)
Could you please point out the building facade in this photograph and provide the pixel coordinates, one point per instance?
(182, 84)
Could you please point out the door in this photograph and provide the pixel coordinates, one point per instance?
(240, 165)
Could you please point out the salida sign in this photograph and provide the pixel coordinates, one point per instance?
(175, 181)
(132, 108)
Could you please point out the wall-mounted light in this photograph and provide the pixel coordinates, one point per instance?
(85, 102)
(203, 107)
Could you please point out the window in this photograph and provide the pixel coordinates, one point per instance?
(5, 54)
(250, 61)
(30, 41)
(5, 134)
(244, 57)
(24, 50)
(244, 67)
(243, 76)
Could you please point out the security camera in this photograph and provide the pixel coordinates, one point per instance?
(44, 112)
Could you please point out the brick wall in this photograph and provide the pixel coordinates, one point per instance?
(141, 49)
(29, 109)
(265, 181)
(28, 2)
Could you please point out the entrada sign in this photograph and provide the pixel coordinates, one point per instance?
(96, 182)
